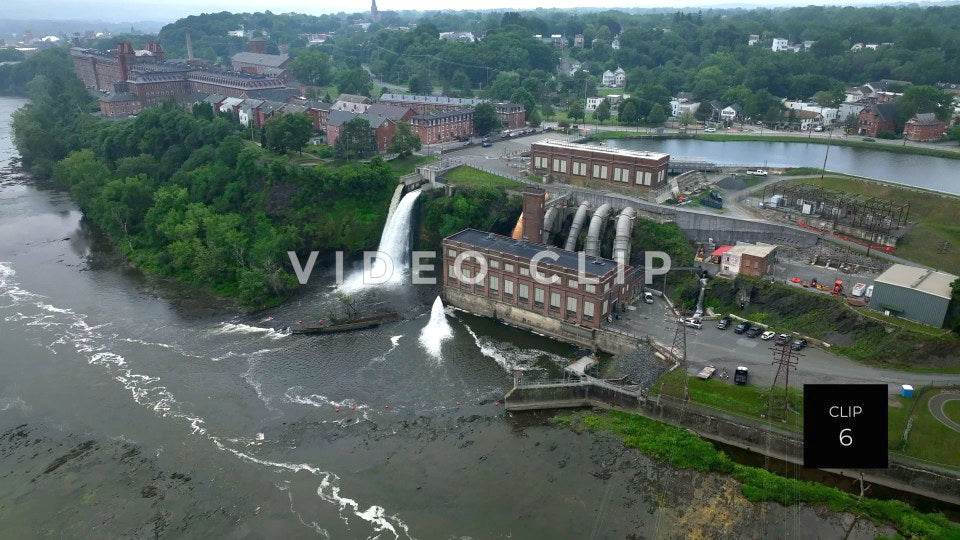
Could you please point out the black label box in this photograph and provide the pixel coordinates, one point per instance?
(845, 426)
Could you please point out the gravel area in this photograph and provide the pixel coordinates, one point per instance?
(639, 367)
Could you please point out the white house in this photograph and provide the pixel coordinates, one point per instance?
(462, 37)
(615, 44)
(614, 79)
(850, 107)
(780, 44)
(593, 103)
(753, 39)
(679, 106)
(730, 113)
(829, 114)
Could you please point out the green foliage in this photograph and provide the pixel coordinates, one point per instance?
(657, 115)
(576, 111)
(925, 99)
(405, 141)
(682, 449)
(355, 81)
(602, 113)
(485, 119)
(485, 208)
(420, 84)
(312, 67)
(288, 131)
(355, 140)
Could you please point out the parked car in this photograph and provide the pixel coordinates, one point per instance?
(783, 339)
(647, 298)
(724, 323)
(693, 323)
(741, 328)
(710, 130)
(486, 143)
(799, 344)
(740, 376)
(758, 172)
(869, 292)
(768, 335)
(753, 332)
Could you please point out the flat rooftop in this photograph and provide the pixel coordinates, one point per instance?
(594, 266)
(921, 279)
(756, 250)
(643, 154)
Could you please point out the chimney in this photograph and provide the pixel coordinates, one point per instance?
(157, 51)
(257, 45)
(533, 210)
(189, 48)
(124, 54)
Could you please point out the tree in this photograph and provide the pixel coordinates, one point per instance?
(355, 81)
(925, 99)
(657, 116)
(687, 118)
(420, 84)
(576, 112)
(288, 132)
(312, 67)
(405, 141)
(629, 112)
(828, 98)
(355, 140)
(461, 82)
(525, 98)
(602, 113)
(485, 119)
(534, 119)
(850, 123)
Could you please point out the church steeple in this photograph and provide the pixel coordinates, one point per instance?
(374, 14)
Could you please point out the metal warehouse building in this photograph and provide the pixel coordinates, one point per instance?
(913, 293)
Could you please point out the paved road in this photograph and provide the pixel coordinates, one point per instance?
(726, 350)
(936, 404)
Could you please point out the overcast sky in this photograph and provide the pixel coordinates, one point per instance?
(168, 10)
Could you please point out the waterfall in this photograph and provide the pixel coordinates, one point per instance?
(436, 331)
(395, 201)
(394, 244)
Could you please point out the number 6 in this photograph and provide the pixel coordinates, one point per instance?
(845, 438)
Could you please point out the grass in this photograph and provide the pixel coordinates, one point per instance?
(801, 171)
(952, 410)
(748, 400)
(934, 215)
(408, 164)
(682, 449)
(928, 439)
(465, 175)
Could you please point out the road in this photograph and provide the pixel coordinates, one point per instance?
(727, 350)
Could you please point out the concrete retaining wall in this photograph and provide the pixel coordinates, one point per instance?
(583, 394)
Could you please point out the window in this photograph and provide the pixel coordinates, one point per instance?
(494, 263)
(621, 175)
(555, 301)
(540, 162)
(507, 289)
(560, 165)
(588, 310)
(590, 288)
(524, 271)
(606, 287)
(450, 272)
(524, 292)
(494, 283)
(600, 171)
(466, 272)
(572, 283)
(571, 306)
(606, 306)
(579, 169)
(538, 296)
(507, 267)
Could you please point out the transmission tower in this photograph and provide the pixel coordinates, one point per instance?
(786, 360)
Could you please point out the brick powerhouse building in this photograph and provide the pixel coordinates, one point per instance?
(925, 127)
(508, 282)
(580, 164)
(442, 126)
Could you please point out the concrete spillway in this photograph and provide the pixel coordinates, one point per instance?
(575, 227)
(393, 253)
(592, 247)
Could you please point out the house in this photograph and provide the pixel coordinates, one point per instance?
(917, 294)
(925, 127)
(267, 109)
(886, 85)
(745, 259)
(614, 79)
(950, 88)
(856, 47)
(397, 113)
(848, 108)
(460, 37)
(753, 39)
(382, 129)
(558, 41)
(442, 126)
(352, 103)
(730, 113)
(683, 103)
(877, 118)
(780, 44)
(857, 93)
(615, 44)
(578, 40)
(593, 103)
(829, 114)
(805, 119)
(247, 111)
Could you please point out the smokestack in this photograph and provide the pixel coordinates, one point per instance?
(534, 199)
(189, 48)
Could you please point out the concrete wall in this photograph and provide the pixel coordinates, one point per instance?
(600, 339)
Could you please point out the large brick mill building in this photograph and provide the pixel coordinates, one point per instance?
(583, 164)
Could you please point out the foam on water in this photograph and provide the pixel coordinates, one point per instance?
(436, 331)
(510, 357)
(73, 331)
(239, 328)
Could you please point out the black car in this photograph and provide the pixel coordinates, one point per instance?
(754, 332)
(799, 344)
(724, 323)
(741, 328)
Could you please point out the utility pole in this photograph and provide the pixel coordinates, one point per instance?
(786, 360)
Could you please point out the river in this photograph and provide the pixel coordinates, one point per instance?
(934, 173)
(131, 406)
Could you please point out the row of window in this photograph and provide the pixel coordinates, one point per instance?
(599, 171)
(522, 291)
(525, 272)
